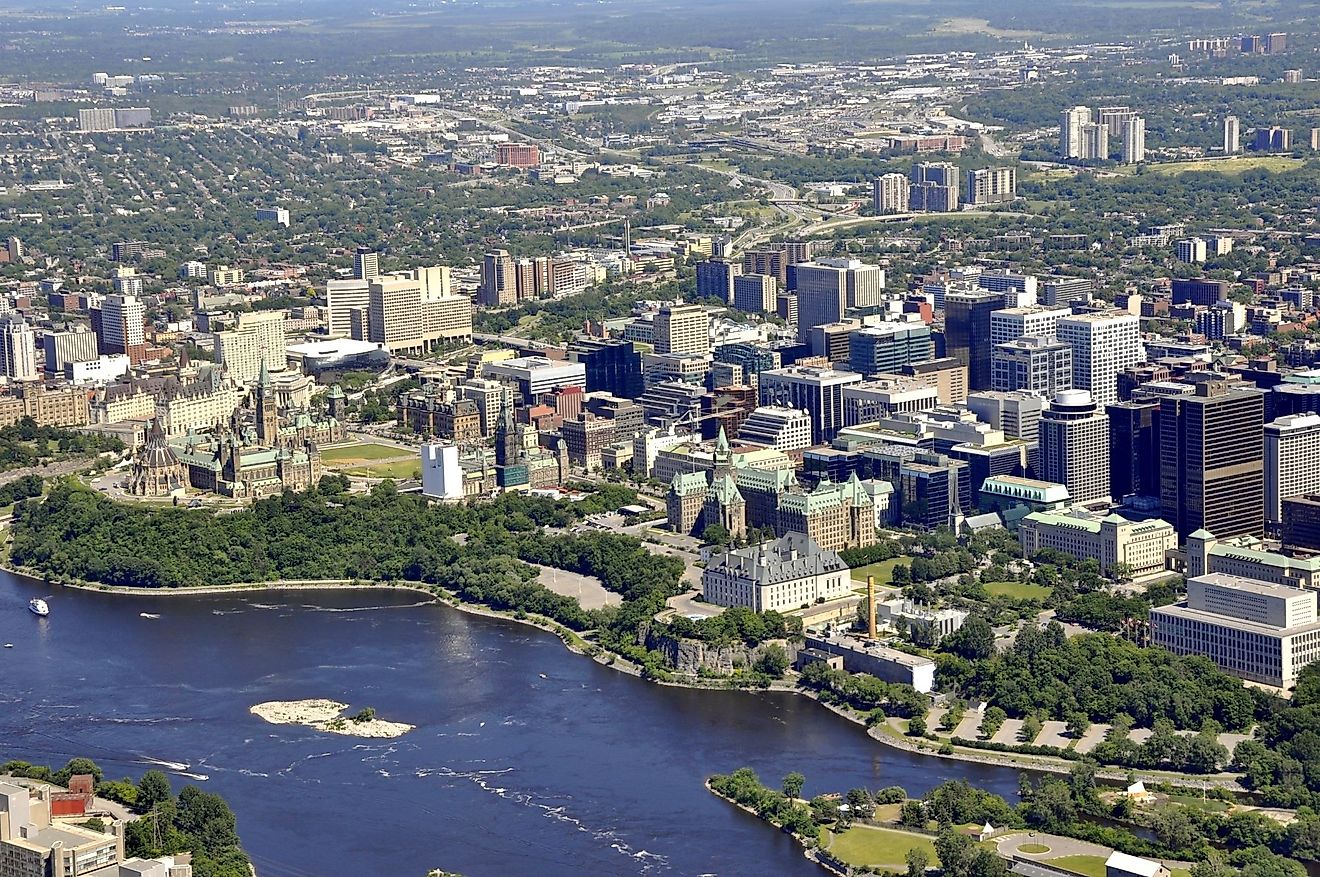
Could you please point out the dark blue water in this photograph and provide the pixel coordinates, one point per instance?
(585, 771)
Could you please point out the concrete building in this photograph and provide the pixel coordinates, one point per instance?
(889, 194)
(935, 187)
(1141, 545)
(535, 375)
(887, 347)
(342, 297)
(818, 391)
(18, 350)
(122, 319)
(1262, 632)
(1191, 250)
(1032, 364)
(681, 329)
(73, 345)
(1016, 414)
(256, 338)
(791, 572)
(499, 282)
(873, 400)
(924, 624)
(755, 293)
(1074, 446)
(1232, 135)
(277, 215)
(827, 288)
(1211, 460)
(787, 429)
(366, 264)
(1038, 321)
(1292, 462)
(442, 476)
(991, 185)
(865, 656)
(715, 279)
(1070, 131)
(1133, 132)
(585, 437)
(1103, 345)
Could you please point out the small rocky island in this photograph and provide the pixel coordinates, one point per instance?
(329, 716)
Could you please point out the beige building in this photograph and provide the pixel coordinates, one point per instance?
(63, 406)
(682, 328)
(1247, 557)
(1262, 632)
(32, 845)
(792, 572)
(1142, 545)
(401, 315)
(257, 337)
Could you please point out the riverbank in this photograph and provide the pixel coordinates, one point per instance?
(808, 852)
(576, 643)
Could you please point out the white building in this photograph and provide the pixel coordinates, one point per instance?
(1103, 345)
(101, 370)
(1232, 135)
(1074, 445)
(1191, 250)
(1292, 461)
(1070, 131)
(787, 429)
(534, 375)
(818, 391)
(442, 476)
(1010, 324)
(342, 297)
(1262, 632)
(789, 573)
(18, 350)
(256, 338)
(1141, 545)
(681, 329)
(1134, 140)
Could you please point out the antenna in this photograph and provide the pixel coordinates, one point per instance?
(870, 607)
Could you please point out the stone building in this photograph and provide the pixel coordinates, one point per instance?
(157, 470)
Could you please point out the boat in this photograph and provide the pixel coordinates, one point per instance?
(9, 645)
(38, 606)
(150, 615)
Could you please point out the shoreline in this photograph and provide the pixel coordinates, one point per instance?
(575, 643)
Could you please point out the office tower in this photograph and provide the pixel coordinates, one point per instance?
(1134, 140)
(991, 185)
(1032, 364)
(18, 350)
(1070, 131)
(1211, 460)
(499, 284)
(1200, 291)
(886, 348)
(14, 246)
(132, 117)
(1010, 324)
(127, 282)
(1064, 291)
(1292, 462)
(1017, 415)
(1019, 289)
(612, 366)
(122, 318)
(1134, 449)
(755, 293)
(1074, 446)
(1276, 43)
(967, 332)
(97, 119)
(818, 391)
(395, 316)
(1103, 345)
(826, 289)
(935, 187)
(771, 262)
(1232, 135)
(1095, 141)
(682, 329)
(256, 340)
(76, 345)
(341, 297)
(786, 308)
(520, 155)
(1191, 250)
(366, 264)
(445, 319)
(831, 340)
(889, 194)
(715, 279)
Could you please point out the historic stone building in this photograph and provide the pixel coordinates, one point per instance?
(436, 411)
(157, 470)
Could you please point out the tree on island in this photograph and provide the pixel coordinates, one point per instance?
(793, 784)
(364, 715)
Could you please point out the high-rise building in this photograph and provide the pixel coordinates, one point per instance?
(769, 261)
(1199, 291)
(1191, 250)
(1074, 446)
(1070, 131)
(1292, 451)
(1232, 135)
(132, 117)
(755, 293)
(1103, 345)
(341, 298)
(122, 319)
(715, 279)
(1274, 139)
(889, 194)
(1032, 364)
(127, 281)
(96, 119)
(1211, 460)
(888, 347)
(14, 247)
(818, 391)
(1095, 141)
(366, 264)
(1010, 324)
(257, 339)
(18, 350)
(75, 345)
(991, 185)
(828, 287)
(405, 320)
(499, 282)
(1016, 414)
(520, 155)
(935, 187)
(1062, 292)
(1134, 449)
(1134, 140)
(967, 332)
(612, 366)
(682, 328)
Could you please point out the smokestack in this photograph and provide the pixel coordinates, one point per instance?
(870, 607)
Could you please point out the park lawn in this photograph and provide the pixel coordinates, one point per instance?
(1034, 849)
(1018, 590)
(883, 571)
(1088, 866)
(397, 469)
(863, 846)
(888, 812)
(360, 452)
(1232, 167)
(1209, 805)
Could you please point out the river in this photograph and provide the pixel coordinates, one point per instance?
(526, 759)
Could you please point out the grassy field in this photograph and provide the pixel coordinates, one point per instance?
(1232, 166)
(863, 846)
(1034, 849)
(1018, 590)
(397, 469)
(1088, 866)
(1209, 805)
(360, 452)
(883, 571)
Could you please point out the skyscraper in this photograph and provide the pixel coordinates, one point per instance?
(1070, 131)
(18, 350)
(967, 332)
(818, 391)
(715, 279)
(682, 329)
(499, 283)
(1134, 449)
(889, 194)
(1103, 345)
(255, 342)
(1232, 135)
(935, 187)
(1095, 141)
(1211, 466)
(121, 322)
(755, 293)
(1032, 364)
(341, 297)
(991, 185)
(366, 263)
(1292, 449)
(1074, 446)
(1134, 140)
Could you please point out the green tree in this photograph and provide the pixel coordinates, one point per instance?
(975, 640)
(773, 661)
(917, 862)
(793, 784)
(954, 850)
(152, 789)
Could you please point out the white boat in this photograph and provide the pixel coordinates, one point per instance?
(38, 607)
(148, 615)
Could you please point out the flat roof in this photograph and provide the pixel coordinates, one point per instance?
(338, 346)
(1181, 610)
(1253, 586)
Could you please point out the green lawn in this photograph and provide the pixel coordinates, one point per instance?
(360, 452)
(1034, 849)
(398, 469)
(1088, 866)
(1232, 167)
(1018, 590)
(863, 846)
(883, 571)
(1209, 805)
